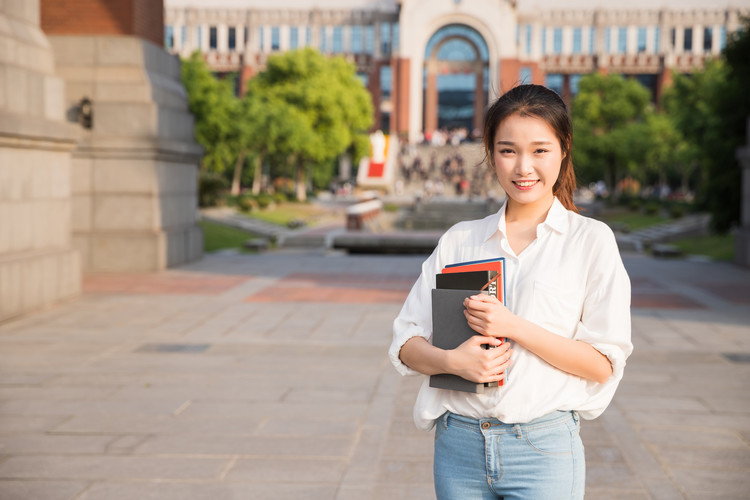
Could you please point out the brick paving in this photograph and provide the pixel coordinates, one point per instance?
(265, 377)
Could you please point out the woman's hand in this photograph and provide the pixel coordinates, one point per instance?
(488, 316)
(473, 361)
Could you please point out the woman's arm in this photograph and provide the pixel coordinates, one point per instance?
(488, 316)
(469, 360)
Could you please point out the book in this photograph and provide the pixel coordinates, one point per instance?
(450, 329)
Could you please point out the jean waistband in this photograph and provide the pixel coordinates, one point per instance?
(553, 418)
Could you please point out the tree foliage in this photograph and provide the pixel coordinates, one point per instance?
(711, 108)
(610, 128)
(215, 111)
(333, 107)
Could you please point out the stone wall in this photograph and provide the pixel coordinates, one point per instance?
(38, 264)
(135, 171)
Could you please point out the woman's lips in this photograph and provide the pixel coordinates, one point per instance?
(525, 185)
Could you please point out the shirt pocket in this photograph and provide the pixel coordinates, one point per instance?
(557, 308)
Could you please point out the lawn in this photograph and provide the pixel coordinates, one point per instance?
(633, 220)
(717, 247)
(284, 213)
(221, 237)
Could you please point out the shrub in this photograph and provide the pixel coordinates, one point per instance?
(247, 203)
(677, 211)
(264, 200)
(652, 208)
(210, 187)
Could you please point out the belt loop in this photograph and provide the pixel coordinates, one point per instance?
(519, 432)
(576, 418)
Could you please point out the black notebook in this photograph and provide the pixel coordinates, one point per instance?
(449, 330)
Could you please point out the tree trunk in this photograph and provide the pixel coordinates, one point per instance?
(257, 173)
(238, 173)
(300, 182)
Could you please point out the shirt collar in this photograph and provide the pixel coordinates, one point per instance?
(557, 220)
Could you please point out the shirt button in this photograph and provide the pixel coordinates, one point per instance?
(485, 425)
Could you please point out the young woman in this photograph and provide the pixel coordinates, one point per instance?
(566, 321)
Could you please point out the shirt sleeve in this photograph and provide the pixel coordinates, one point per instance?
(605, 321)
(415, 318)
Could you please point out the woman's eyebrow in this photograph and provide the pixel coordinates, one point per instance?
(535, 143)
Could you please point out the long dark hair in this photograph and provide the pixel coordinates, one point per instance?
(539, 102)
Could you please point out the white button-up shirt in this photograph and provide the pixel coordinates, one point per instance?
(569, 280)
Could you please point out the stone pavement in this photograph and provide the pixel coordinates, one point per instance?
(265, 377)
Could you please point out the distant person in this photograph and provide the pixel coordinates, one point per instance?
(567, 321)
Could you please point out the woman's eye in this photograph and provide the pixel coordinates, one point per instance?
(506, 151)
(540, 150)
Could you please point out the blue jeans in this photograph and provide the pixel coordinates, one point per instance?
(487, 459)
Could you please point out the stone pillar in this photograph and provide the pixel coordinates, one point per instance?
(400, 95)
(742, 239)
(431, 98)
(135, 170)
(38, 263)
(479, 99)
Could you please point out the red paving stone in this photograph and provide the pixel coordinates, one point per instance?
(664, 301)
(735, 292)
(161, 283)
(338, 288)
(650, 294)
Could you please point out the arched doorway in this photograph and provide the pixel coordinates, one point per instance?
(456, 75)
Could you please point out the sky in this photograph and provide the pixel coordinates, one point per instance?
(523, 5)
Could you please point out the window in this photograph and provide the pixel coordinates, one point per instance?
(212, 38)
(364, 78)
(622, 40)
(200, 37)
(308, 36)
(607, 40)
(275, 38)
(544, 41)
(592, 40)
(168, 37)
(722, 37)
(577, 40)
(394, 36)
(183, 36)
(528, 39)
(385, 38)
(574, 81)
(554, 82)
(641, 39)
(657, 35)
(369, 39)
(557, 40)
(356, 41)
(338, 40)
(524, 75)
(688, 42)
(674, 38)
(262, 36)
(245, 36)
(323, 40)
(293, 37)
(708, 35)
(385, 81)
(232, 38)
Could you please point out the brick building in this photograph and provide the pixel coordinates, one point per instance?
(436, 64)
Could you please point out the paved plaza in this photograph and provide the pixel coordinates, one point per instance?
(265, 377)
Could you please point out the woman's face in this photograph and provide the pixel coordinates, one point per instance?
(527, 156)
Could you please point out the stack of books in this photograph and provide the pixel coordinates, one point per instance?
(449, 327)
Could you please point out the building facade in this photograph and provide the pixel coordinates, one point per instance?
(436, 64)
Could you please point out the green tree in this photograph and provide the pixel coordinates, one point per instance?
(711, 109)
(608, 121)
(268, 127)
(334, 107)
(215, 109)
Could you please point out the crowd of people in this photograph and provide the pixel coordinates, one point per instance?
(438, 171)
